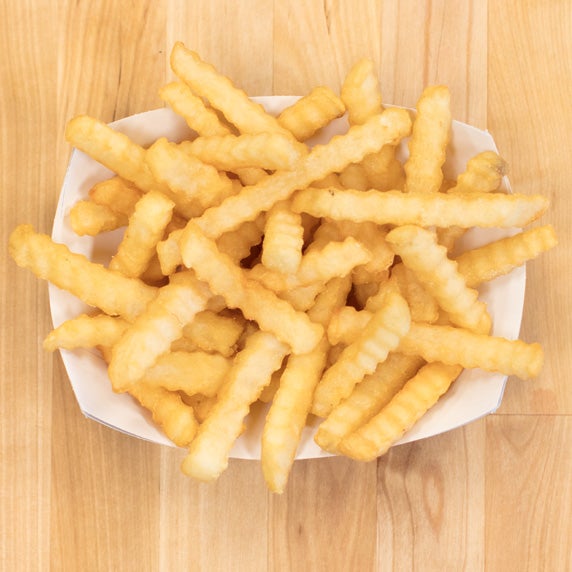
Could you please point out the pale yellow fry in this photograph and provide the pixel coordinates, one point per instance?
(423, 209)
(384, 170)
(341, 150)
(335, 259)
(428, 142)
(311, 113)
(272, 151)
(354, 176)
(169, 412)
(416, 397)
(145, 229)
(471, 350)
(347, 324)
(169, 253)
(152, 333)
(191, 372)
(372, 237)
(212, 332)
(201, 404)
(119, 195)
(256, 302)
(483, 174)
(283, 239)
(86, 331)
(201, 119)
(238, 243)
(361, 357)
(502, 256)
(219, 91)
(194, 185)
(366, 400)
(428, 260)
(89, 218)
(96, 285)
(112, 149)
(253, 367)
(422, 304)
(293, 399)
(361, 93)
(302, 297)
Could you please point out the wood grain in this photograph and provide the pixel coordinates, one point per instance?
(75, 495)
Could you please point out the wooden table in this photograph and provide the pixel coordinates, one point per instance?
(493, 495)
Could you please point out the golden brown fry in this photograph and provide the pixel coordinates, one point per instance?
(366, 400)
(377, 339)
(463, 347)
(252, 370)
(218, 90)
(193, 185)
(204, 121)
(256, 302)
(238, 243)
(423, 209)
(97, 286)
(283, 239)
(112, 149)
(118, 194)
(169, 412)
(152, 333)
(360, 92)
(89, 218)
(341, 150)
(191, 372)
(86, 332)
(502, 256)
(272, 151)
(416, 397)
(311, 113)
(428, 142)
(420, 252)
(293, 399)
(146, 227)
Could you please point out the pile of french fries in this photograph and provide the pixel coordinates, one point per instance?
(321, 280)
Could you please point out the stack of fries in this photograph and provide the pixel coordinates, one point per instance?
(323, 280)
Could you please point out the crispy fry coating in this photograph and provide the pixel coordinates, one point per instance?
(152, 333)
(416, 397)
(380, 336)
(424, 209)
(256, 302)
(428, 142)
(146, 227)
(293, 399)
(502, 256)
(458, 346)
(420, 252)
(389, 127)
(360, 92)
(89, 218)
(272, 151)
(208, 453)
(283, 239)
(97, 286)
(169, 412)
(311, 112)
(366, 400)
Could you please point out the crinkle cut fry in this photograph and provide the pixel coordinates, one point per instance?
(293, 399)
(456, 346)
(389, 127)
(416, 397)
(152, 333)
(256, 302)
(253, 367)
(428, 260)
(366, 400)
(97, 286)
(380, 336)
(466, 210)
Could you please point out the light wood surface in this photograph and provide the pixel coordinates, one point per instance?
(494, 495)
